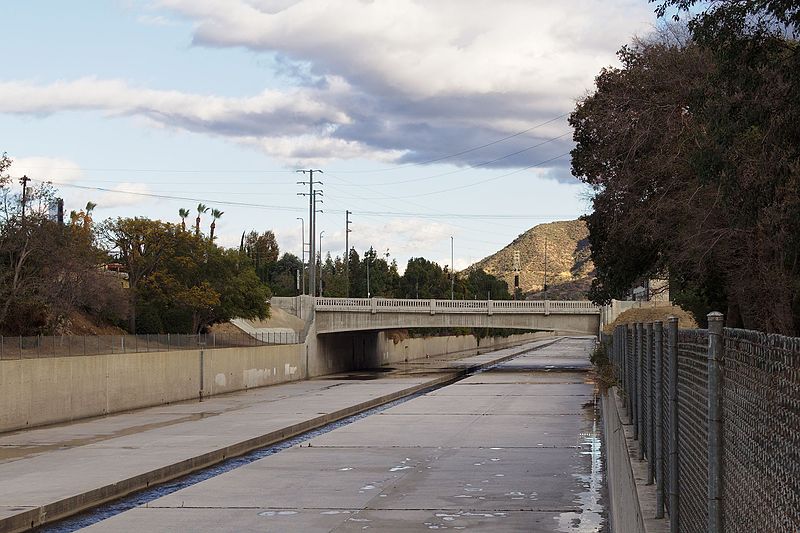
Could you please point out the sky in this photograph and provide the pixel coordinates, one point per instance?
(430, 119)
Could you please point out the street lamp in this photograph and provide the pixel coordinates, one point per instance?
(302, 255)
(368, 262)
(321, 233)
(452, 269)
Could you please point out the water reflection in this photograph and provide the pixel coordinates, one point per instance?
(591, 516)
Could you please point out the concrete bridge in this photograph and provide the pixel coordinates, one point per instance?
(339, 315)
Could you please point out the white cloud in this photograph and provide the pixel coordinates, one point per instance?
(405, 81)
(155, 20)
(64, 174)
(48, 168)
(116, 198)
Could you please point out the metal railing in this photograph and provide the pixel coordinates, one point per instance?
(716, 415)
(382, 305)
(75, 345)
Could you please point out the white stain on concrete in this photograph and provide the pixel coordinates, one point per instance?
(256, 377)
(220, 380)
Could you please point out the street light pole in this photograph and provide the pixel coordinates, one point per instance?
(302, 255)
(321, 233)
(452, 270)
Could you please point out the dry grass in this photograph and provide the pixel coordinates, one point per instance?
(79, 323)
(685, 319)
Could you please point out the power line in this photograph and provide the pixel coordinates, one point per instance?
(399, 214)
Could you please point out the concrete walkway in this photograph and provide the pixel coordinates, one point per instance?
(516, 448)
(52, 472)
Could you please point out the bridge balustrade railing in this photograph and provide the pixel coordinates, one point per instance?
(453, 306)
(716, 415)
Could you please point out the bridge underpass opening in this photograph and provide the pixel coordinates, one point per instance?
(372, 349)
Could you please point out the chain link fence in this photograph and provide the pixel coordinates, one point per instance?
(716, 415)
(73, 345)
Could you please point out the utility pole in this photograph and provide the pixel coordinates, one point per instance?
(347, 231)
(302, 255)
(312, 216)
(545, 267)
(24, 181)
(452, 269)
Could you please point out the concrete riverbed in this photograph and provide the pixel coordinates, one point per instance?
(52, 472)
(513, 448)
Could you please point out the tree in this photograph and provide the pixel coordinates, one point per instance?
(282, 275)
(424, 279)
(141, 245)
(691, 150)
(215, 288)
(480, 285)
(48, 271)
(263, 251)
(215, 215)
(201, 208)
(183, 214)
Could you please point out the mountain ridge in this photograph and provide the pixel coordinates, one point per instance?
(569, 268)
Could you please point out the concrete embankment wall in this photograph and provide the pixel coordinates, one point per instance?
(35, 392)
(625, 511)
(466, 345)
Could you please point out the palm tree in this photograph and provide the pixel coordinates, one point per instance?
(215, 214)
(183, 213)
(87, 219)
(201, 208)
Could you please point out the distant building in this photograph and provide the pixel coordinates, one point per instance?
(651, 290)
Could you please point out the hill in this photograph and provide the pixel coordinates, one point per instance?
(569, 267)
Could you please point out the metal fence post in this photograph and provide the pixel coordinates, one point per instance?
(658, 337)
(715, 422)
(629, 380)
(640, 386)
(648, 339)
(674, 472)
(635, 383)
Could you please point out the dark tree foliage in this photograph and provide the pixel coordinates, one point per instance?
(692, 149)
(48, 270)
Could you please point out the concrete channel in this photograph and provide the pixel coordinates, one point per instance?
(50, 473)
(517, 447)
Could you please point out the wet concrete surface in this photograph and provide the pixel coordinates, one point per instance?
(44, 466)
(515, 448)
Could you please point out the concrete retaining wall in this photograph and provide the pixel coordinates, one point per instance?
(35, 392)
(625, 511)
(466, 345)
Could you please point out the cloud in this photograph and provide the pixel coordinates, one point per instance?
(51, 168)
(404, 81)
(117, 198)
(155, 20)
(63, 173)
